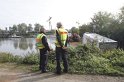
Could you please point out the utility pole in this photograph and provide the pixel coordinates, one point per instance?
(49, 20)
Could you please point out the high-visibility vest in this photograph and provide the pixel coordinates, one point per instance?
(63, 36)
(39, 44)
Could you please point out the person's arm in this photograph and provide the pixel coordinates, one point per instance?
(58, 38)
(45, 43)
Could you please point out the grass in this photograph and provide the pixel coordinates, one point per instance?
(82, 60)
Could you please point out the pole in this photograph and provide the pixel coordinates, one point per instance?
(50, 27)
(49, 20)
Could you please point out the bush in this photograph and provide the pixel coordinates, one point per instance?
(82, 60)
(27, 59)
(31, 59)
(116, 57)
(90, 60)
(6, 57)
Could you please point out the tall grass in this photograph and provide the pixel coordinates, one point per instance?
(30, 59)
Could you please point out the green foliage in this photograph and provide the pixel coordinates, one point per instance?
(110, 26)
(83, 59)
(14, 28)
(116, 57)
(74, 30)
(27, 59)
(84, 28)
(29, 28)
(38, 27)
(31, 59)
(22, 28)
(6, 57)
(102, 20)
(51, 61)
(90, 60)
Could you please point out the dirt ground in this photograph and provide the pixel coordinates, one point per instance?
(12, 73)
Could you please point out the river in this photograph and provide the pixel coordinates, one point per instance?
(21, 46)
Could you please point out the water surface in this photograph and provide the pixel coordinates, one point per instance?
(21, 46)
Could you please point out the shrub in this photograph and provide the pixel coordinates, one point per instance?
(31, 59)
(90, 60)
(6, 57)
(82, 60)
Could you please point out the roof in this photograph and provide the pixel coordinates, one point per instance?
(98, 37)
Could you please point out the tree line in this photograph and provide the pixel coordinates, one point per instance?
(23, 28)
(105, 24)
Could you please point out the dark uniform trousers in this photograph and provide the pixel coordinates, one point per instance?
(61, 54)
(43, 59)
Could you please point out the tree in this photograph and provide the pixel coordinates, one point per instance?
(10, 29)
(6, 28)
(101, 22)
(22, 28)
(121, 15)
(14, 28)
(118, 31)
(29, 28)
(74, 30)
(84, 28)
(108, 25)
(37, 27)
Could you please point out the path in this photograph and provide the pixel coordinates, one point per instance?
(12, 75)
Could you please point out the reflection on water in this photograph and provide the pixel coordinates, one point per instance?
(15, 43)
(23, 45)
(30, 45)
(20, 46)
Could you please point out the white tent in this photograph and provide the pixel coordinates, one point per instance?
(100, 41)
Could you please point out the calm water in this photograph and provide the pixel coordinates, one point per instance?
(21, 46)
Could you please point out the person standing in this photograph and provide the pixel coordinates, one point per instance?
(42, 45)
(61, 48)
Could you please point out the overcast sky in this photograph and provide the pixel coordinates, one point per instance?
(66, 11)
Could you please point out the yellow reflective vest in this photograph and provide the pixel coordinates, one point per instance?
(63, 36)
(39, 44)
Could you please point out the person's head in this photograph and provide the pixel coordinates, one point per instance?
(42, 30)
(59, 24)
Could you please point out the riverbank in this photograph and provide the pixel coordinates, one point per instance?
(11, 72)
(82, 60)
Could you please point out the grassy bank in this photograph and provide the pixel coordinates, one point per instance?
(82, 60)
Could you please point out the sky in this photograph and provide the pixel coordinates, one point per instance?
(66, 11)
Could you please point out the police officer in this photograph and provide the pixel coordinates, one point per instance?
(61, 48)
(42, 45)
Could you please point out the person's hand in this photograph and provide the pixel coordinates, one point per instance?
(64, 47)
(50, 51)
